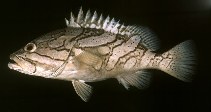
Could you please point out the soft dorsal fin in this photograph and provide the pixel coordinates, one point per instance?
(82, 89)
(140, 79)
(148, 39)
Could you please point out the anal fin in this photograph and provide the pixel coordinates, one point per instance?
(139, 79)
(82, 89)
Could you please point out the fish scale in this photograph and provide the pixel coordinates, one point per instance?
(92, 49)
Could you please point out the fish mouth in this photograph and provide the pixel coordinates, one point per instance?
(13, 64)
(21, 64)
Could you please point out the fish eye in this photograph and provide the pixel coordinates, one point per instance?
(30, 47)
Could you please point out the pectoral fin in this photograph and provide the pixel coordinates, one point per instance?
(140, 79)
(89, 59)
(82, 89)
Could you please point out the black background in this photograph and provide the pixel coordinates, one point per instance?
(172, 21)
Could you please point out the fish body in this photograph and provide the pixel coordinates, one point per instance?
(92, 49)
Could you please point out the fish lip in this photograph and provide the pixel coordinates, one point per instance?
(18, 64)
(14, 64)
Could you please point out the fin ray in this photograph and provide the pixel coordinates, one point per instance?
(183, 61)
(89, 59)
(140, 79)
(82, 89)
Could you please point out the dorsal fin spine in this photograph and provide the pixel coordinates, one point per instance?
(100, 19)
(110, 25)
(94, 17)
(80, 16)
(99, 22)
(105, 23)
(72, 18)
(87, 17)
(116, 27)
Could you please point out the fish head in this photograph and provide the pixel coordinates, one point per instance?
(42, 56)
(22, 60)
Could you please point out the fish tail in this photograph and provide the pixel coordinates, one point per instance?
(180, 61)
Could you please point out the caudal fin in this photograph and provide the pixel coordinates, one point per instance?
(180, 61)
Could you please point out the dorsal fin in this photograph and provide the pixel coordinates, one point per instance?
(148, 39)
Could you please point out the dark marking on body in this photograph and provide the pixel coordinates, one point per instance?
(49, 57)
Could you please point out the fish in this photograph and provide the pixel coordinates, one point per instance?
(93, 48)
